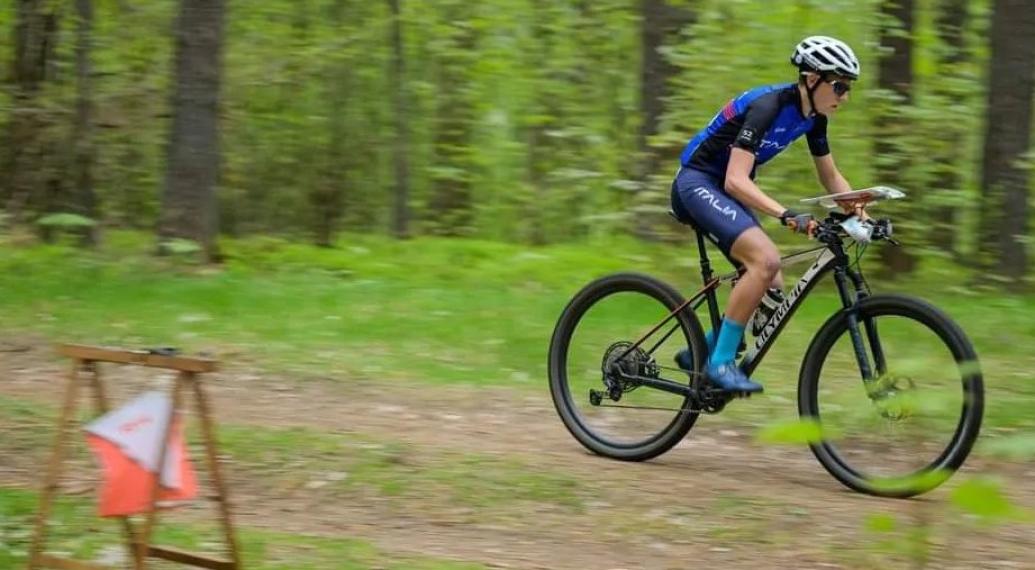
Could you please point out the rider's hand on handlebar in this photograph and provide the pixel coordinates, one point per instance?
(800, 223)
(855, 209)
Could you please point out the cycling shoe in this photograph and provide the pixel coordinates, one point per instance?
(728, 377)
(685, 360)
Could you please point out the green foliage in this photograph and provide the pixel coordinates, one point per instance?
(794, 432)
(261, 549)
(180, 246)
(881, 523)
(985, 499)
(409, 307)
(522, 115)
(1018, 447)
(65, 221)
(892, 538)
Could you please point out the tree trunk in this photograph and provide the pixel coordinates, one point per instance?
(1004, 180)
(28, 45)
(660, 23)
(454, 117)
(22, 177)
(82, 131)
(400, 158)
(895, 74)
(189, 208)
(952, 21)
(328, 194)
(50, 163)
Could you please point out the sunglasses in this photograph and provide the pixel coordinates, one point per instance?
(840, 87)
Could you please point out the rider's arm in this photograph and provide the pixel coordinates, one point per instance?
(757, 120)
(740, 186)
(829, 176)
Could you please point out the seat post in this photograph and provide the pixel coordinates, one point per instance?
(706, 277)
(706, 264)
(706, 269)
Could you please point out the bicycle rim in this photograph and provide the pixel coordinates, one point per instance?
(905, 431)
(601, 328)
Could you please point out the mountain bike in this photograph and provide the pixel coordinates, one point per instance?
(890, 384)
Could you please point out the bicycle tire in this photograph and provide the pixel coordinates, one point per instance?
(585, 299)
(967, 428)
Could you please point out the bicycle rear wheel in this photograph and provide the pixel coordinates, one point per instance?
(907, 430)
(593, 365)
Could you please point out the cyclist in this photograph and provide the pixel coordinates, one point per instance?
(715, 189)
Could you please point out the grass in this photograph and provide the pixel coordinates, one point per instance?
(260, 549)
(339, 465)
(446, 485)
(428, 311)
(434, 311)
(347, 463)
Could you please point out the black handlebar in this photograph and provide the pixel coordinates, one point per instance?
(830, 229)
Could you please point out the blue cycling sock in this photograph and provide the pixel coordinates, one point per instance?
(709, 340)
(730, 334)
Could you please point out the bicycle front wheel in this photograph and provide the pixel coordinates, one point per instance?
(907, 429)
(597, 372)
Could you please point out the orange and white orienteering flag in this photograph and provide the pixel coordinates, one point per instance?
(127, 442)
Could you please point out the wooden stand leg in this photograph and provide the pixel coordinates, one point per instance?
(50, 484)
(85, 359)
(212, 454)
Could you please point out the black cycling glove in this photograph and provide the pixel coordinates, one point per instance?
(800, 221)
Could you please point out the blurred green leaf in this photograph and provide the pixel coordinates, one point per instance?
(921, 482)
(792, 432)
(984, 498)
(881, 523)
(179, 246)
(1017, 447)
(65, 220)
(970, 367)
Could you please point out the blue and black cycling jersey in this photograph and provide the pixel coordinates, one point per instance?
(764, 120)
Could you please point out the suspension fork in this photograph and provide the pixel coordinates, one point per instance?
(861, 292)
(850, 300)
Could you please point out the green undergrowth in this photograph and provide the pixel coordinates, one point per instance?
(436, 310)
(74, 532)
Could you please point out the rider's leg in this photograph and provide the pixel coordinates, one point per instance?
(724, 221)
(762, 264)
(772, 299)
(761, 259)
(711, 336)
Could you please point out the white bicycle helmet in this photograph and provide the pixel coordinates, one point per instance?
(826, 55)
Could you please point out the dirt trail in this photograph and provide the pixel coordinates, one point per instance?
(717, 498)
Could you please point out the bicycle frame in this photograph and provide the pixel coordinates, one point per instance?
(831, 258)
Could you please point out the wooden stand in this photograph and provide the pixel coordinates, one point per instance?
(138, 542)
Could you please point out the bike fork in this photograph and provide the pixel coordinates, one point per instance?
(870, 325)
(850, 301)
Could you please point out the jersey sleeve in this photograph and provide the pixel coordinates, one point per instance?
(817, 137)
(758, 118)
